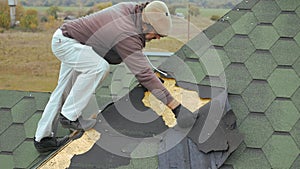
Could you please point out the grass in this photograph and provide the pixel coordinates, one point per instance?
(206, 12)
(27, 63)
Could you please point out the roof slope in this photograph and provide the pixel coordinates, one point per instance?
(258, 45)
(261, 39)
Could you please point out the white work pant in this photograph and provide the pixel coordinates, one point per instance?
(81, 72)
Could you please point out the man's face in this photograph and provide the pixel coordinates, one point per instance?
(150, 33)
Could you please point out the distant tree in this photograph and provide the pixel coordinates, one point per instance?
(30, 20)
(194, 10)
(4, 15)
(53, 10)
(172, 9)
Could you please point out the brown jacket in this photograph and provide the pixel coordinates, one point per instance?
(115, 33)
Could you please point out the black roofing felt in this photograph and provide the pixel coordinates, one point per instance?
(123, 136)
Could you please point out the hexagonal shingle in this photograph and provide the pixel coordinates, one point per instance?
(239, 107)
(12, 137)
(263, 36)
(296, 66)
(287, 24)
(256, 129)
(297, 37)
(281, 151)
(288, 5)
(295, 133)
(23, 110)
(239, 48)
(296, 98)
(5, 119)
(261, 64)
(222, 38)
(6, 161)
(285, 52)
(258, 96)
(254, 158)
(25, 154)
(296, 163)
(266, 11)
(283, 115)
(245, 24)
(212, 62)
(196, 70)
(237, 77)
(31, 125)
(284, 82)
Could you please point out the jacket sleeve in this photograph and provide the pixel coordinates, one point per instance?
(130, 50)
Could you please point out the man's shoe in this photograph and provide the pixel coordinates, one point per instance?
(50, 144)
(79, 124)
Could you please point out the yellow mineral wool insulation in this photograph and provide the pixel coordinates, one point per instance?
(62, 159)
(189, 99)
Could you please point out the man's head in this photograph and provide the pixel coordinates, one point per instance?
(157, 15)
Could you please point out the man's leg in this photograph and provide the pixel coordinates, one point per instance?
(91, 69)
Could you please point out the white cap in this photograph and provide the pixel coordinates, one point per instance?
(158, 16)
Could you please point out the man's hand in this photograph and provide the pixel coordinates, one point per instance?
(185, 118)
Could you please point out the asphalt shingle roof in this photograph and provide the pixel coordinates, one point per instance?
(258, 44)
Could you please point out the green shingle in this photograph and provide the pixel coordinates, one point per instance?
(266, 11)
(222, 38)
(281, 151)
(233, 158)
(283, 115)
(214, 81)
(216, 29)
(212, 63)
(23, 110)
(288, 5)
(6, 161)
(237, 77)
(5, 119)
(223, 56)
(194, 46)
(9, 98)
(261, 64)
(296, 163)
(12, 137)
(295, 133)
(296, 98)
(285, 52)
(31, 125)
(245, 24)
(257, 130)
(252, 159)
(298, 11)
(41, 99)
(239, 48)
(287, 24)
(196, 70)
(233, 15)
(25, 154)
(296, 66)
(297, 37)
(246, 4)
(258, 96)
(239, 107)
(263, 36)
(284, 82)
(188, 52)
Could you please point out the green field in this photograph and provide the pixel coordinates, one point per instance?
(205, 12)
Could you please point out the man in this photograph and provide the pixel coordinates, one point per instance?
(86, 46)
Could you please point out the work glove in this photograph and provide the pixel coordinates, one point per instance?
(185, 118)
